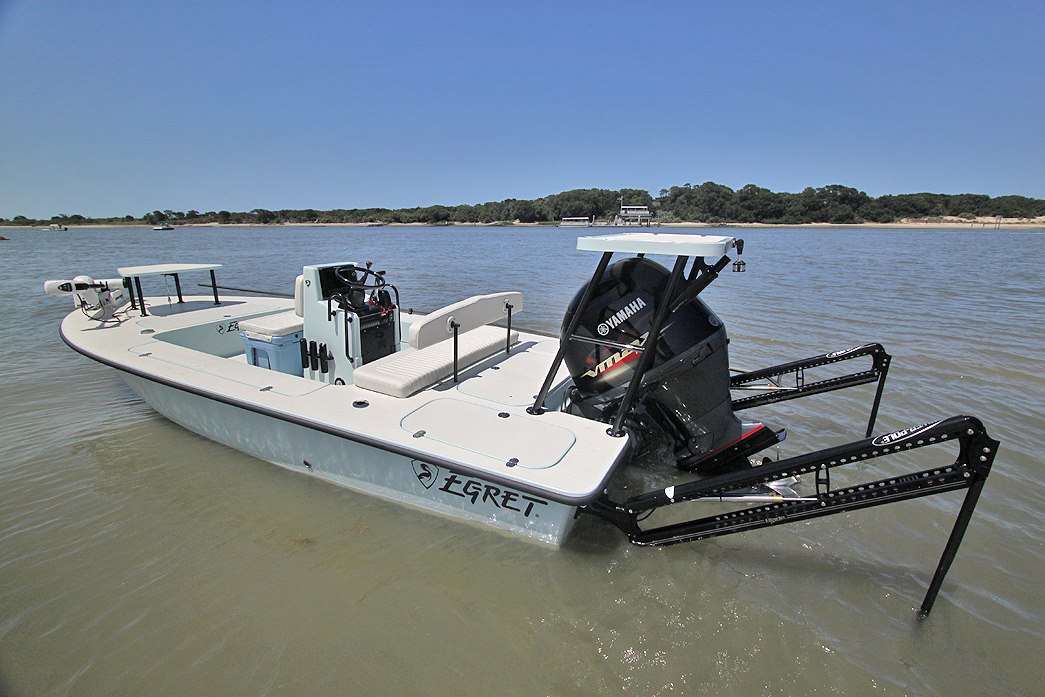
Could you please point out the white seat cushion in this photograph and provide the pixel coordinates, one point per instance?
(403, 373)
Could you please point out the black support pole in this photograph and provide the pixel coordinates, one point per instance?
(508, 339)
(141, 298)
(130, 293)
(177, 287)
(949, 552)
(650, 347)
(214, 287)
(877, 398)
(455, 327)
(538, 404)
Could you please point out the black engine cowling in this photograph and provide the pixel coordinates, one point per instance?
(686, 391)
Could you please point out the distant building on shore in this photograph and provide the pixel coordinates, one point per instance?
(634, 215)
(628, 216)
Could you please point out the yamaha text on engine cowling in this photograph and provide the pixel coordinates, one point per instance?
(686, 391)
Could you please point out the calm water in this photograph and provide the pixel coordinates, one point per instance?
(137, 558)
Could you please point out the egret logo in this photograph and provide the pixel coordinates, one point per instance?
(426, 474)
(477, 492)
(620, 316)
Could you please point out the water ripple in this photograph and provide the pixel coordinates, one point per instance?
(139, 558)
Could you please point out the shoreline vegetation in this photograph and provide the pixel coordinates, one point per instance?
(925, 224)
(705, 205)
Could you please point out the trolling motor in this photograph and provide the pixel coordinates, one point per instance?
(98, 300)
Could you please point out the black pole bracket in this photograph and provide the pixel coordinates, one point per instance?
(976, 453)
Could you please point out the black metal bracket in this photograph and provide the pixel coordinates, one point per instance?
(315, 356)
(508, 338)
(455, 326)
(976, 452)
(343, 306)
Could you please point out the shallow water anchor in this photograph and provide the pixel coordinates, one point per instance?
(976, 452)
(796, 369)
(957, 533)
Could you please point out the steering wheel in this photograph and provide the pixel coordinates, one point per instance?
(356, 277)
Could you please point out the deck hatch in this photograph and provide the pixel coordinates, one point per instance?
(532, 443)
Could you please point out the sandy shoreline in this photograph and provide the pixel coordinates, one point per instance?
(931, 223)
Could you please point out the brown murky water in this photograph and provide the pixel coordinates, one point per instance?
(138, 558)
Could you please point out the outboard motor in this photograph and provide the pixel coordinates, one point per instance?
(685, 392)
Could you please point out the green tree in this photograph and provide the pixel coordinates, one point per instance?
(524, 212)
(753, 204)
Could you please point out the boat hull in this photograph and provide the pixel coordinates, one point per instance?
(360, 466)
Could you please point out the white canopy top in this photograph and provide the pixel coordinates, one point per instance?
(160, 269)
(672, 244)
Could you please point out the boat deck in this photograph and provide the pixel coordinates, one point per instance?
(477, 426)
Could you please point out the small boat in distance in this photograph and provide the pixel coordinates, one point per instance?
(448, 412)
(56, 227)
(164, 226)
(577, 221)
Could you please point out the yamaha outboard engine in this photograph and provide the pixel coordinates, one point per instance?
(685, 392)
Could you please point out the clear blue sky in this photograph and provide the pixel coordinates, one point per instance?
(127, 106)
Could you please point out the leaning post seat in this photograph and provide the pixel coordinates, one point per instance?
(456, 335)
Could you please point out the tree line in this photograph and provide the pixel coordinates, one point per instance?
(704, 203)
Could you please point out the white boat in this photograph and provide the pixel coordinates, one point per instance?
(164, 226)
(457, 412)
(577, 221)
